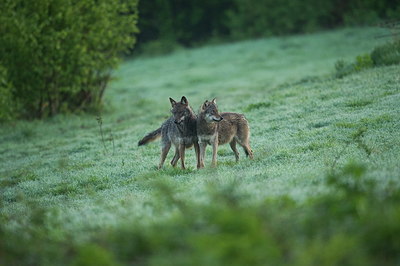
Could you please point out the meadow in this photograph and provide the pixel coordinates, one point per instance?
(77, 187)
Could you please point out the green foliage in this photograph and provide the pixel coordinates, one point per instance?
(214, 235)
(254, 106)
(356, 223)
(184, 22)
(343, 68)
(358, 103)
(7, 104)
(363, 62)
(265, 18)
(387, 54)
(93, 255)
(40, 244)
(187, 23)
(382, 55)
(368, 12)
(14, 179)
(59, 54)
(159, 47)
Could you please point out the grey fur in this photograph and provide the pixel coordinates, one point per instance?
(150, 137)
(180, 130)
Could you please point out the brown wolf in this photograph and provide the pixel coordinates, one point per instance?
(180, 130)
(220, 128)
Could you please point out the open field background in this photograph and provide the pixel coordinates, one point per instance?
(82, 182)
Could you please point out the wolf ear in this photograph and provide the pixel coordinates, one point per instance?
(172, 102)
(205, 104)
(184, 101)
(214, 101)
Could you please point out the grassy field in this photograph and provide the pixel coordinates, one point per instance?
(71, 185)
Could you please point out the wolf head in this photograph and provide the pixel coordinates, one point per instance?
(180, 110)
(210, 110)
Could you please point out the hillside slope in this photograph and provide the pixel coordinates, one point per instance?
(86, 176)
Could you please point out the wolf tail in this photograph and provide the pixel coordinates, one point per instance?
(150, 137)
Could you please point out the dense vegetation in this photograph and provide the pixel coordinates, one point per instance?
(323, 188)
(164, 24)
(57, 55)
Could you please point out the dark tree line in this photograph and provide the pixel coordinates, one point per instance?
(190, 22)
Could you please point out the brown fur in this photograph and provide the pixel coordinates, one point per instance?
(180, 130)
(216, 129)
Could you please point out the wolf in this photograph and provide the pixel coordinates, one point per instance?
(216, 128)
(180, 129)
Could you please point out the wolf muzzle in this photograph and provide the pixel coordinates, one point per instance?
(180, 121)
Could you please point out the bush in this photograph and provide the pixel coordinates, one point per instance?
(387, 54)
(343, 68)
(59, 53)
(362, 62)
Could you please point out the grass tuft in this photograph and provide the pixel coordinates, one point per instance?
(256, 106)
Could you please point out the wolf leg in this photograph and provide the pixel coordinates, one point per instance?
(176, 157)
(197, 152)
(182, 154)
(214, 152)
(202, 153)
(164, 151)
(248, 151)
(233, 147)
(243, 139)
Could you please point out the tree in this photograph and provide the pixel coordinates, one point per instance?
(59, 54)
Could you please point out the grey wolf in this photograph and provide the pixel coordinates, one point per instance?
(179, 130)
(216, 129)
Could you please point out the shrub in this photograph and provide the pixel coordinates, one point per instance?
(363, 62)
(94, 255)
(343, 68)
(387, 54)
(59, 53)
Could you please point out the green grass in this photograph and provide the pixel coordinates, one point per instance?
(57, 176)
